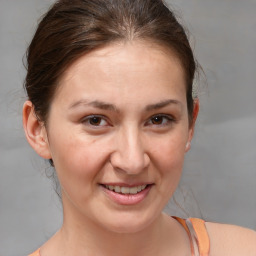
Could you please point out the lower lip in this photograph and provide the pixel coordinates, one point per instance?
(127, 199)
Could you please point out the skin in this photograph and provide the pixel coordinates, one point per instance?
(119, 116)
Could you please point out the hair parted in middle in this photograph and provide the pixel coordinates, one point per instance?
(72, 28)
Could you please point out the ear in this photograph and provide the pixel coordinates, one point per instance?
(192, 125)
(35, 131)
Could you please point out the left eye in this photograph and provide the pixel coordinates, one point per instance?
(95, 121)
(160, 120)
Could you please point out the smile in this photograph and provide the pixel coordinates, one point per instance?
(126, 190)
(126, 194)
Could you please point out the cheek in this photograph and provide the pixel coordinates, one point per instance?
(170, 151)
(168, 160)
(78, 160)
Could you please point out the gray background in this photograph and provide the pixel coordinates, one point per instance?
(220, 171)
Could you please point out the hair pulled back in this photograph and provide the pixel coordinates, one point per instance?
(72, 28)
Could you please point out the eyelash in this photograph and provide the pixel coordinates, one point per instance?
(88, 120)
(165, 120)
(168, 120)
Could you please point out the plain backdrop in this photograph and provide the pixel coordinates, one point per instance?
(219, 178)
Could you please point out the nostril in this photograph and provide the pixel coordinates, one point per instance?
(129, 156)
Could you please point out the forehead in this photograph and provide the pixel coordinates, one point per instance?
(126, 67)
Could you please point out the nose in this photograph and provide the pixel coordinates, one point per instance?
(129, 154)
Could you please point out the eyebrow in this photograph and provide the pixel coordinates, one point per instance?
(96, 104)
(163, 104)
(107, 106)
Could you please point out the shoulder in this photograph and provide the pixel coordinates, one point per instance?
(36, 253)
(231, 240)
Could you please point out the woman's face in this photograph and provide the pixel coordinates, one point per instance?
(117, 133)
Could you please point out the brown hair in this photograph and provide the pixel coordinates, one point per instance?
(72, 28)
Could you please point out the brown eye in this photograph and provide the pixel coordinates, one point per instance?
(157, 120)
(95, 120)
(160, 120)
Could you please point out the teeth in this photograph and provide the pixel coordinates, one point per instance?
(134, 190)
(143, 187)
(117, 189)
(126, 190)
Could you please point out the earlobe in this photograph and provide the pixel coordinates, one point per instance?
(192, 126)
(188, 145)
(35, 131)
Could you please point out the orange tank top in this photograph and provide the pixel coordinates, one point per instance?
(198, 236)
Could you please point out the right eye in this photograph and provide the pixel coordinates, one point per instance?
(94, 120)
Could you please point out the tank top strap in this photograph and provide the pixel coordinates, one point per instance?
(199, 239)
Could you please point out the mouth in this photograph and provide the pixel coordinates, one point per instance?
(126, 190)
(123, 194)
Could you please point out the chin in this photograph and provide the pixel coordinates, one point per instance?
(129, 223)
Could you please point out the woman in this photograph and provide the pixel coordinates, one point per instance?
(110, 104)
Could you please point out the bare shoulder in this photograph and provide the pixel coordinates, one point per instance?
(231, 240)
